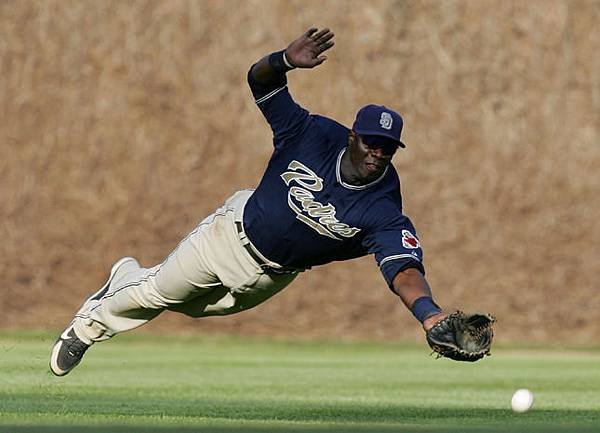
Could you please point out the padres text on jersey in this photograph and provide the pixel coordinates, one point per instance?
(316, 215)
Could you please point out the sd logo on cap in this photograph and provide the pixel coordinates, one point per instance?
(379, 120)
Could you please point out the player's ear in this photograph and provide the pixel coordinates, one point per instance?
(352, 137)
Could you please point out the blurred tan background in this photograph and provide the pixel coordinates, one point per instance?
(123, 124)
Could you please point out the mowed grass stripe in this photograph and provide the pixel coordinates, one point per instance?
(245, 384)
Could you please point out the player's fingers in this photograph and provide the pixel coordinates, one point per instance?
(319, 34)
(310, 32)
(325, 46)
(325, 38)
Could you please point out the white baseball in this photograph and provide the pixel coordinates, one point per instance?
(522, 400)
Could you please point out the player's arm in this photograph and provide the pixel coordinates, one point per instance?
(414, 291)
(268, 83)
(398, 253)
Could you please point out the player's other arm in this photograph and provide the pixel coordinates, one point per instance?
(414, 291)
(399, 256)
(268, 83)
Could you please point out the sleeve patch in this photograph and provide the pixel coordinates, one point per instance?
(409, 240)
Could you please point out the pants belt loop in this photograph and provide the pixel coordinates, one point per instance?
(246, 244)
(241, 233)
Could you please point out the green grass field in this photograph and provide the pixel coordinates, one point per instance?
(140, 383)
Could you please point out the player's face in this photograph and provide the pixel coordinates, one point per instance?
(369, 161)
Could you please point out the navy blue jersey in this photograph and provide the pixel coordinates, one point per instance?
(303, 214)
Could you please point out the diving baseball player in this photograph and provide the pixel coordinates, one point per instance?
(328, 193)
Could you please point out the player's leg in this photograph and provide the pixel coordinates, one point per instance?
(209, 273)
(223, 301)
(132, 296)
(184, 275)
(68, 349)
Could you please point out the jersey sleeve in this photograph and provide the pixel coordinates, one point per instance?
(287, 119)
(395, 246)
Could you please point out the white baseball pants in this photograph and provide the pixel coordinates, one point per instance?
(209, 273)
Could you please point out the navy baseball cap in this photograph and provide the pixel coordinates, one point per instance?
(379, 120)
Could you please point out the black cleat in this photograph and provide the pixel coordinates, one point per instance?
(67, 352)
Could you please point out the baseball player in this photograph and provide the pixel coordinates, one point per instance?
(328, 193)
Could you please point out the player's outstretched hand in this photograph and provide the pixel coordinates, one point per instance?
(307, 50)
(462, 336)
